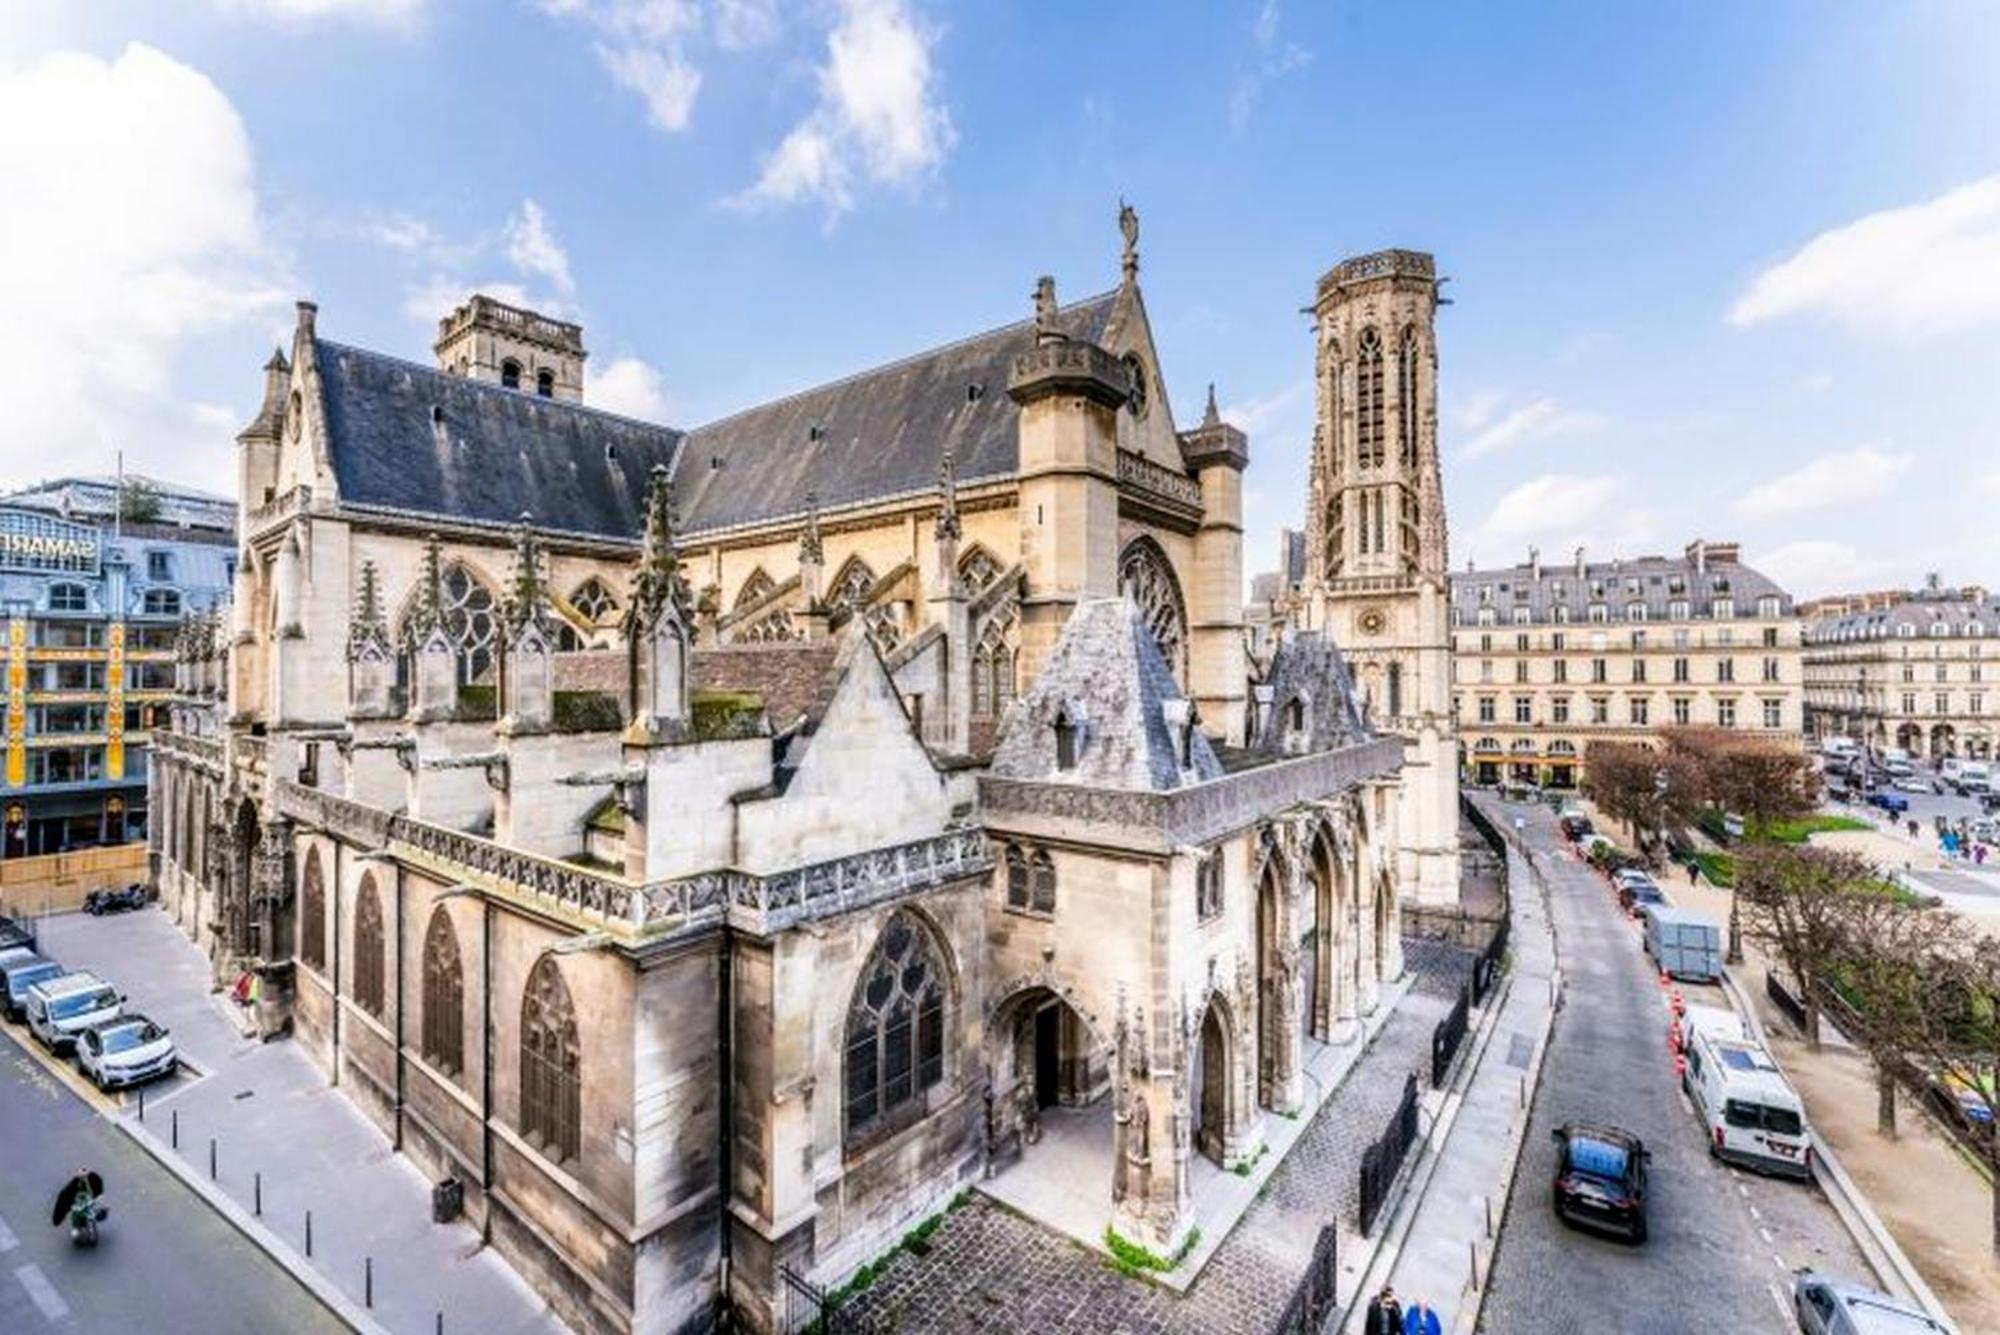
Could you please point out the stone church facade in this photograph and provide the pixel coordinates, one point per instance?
(716, 847)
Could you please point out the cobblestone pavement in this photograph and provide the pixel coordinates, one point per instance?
(989, 1269)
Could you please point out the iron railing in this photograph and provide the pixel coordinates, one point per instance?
(1381, 1161)
(1448, 1035)
(1313, 1301)
(804, 1308)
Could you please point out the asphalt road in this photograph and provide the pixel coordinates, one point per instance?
(165, 1262)
(1723, 1243)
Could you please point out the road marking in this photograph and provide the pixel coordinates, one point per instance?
(44, 1293)
(8, 1242)
(1779, 1262)
(1784, 1308)
(1765, 1233)
(1756, 1213)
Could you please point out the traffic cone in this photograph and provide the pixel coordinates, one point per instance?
(1675, 1039)
(1680, 1003)
(1680, 1066)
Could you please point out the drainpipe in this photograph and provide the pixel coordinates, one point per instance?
(726, 1042)
(399, 1008)
(486, 1067)
(335, 1026)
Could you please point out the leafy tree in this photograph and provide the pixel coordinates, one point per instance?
(138, 501)
(1877, 962)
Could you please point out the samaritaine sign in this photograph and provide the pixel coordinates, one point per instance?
(35, 542)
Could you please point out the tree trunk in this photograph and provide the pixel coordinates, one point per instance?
(1885, 1102)
(1812, 1009)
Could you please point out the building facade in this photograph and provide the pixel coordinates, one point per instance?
(1552, 658)
(721, 866)
(94, 611)
(1376, 560)
(1914, 671)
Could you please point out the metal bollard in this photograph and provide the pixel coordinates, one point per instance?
(142, 1103)
(177, 1128)
(1489, 1216)
(257, 1195)
(211, 1158)
(309, 1234)
(440, 1324)
(1473, 1248)
(368, 1281)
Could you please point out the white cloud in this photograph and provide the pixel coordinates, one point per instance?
(533, 248)
(1272, 58)
(662, 77)
(398, 13)
(1813, 566)
(1258, 416)
(1559, 512)
(439, 295)
(1476, 410)
(1832, 479)
(878, 116)
(1538, 419)
(742, 24)
(131, 217)
(628, 387)
(1927, 268)
(1552, 501)
(644, 46)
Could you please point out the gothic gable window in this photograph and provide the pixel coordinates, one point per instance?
(444, 996)
(470, 621)
(993, 670)
(551, 1065)
(1370, 443)
(594, 601)
(1147, 578)
(755, 589)
(312, 909)
(851, 586)
(368, 950)
(895, 1030)
(978, 569)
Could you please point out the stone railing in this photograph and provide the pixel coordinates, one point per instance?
(252, 751)
(1372, 584)
(1141, 474)
(754, 903)
(1202, 812)
(204, 752)
(282, 506)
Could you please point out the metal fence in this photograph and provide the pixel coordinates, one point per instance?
(1781, 996)
(1381, 1161)
(805, 1309)
(1448, 1035)
(1313, 1301)
(1486, 969)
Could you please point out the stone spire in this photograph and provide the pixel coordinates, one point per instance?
(1128, 227)
(811, 550)
(657, 585)
(1211, 415)
(527, 585)
(948, 527)
(367, 628)
(428, 615)
(1045, 310)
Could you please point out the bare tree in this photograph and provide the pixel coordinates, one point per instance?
(1880, 951)
(1649, 790)
(1797, 900)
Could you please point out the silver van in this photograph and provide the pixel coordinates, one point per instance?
(61, 1008)
(1828, 1306)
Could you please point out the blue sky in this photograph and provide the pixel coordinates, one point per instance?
(1718, 269)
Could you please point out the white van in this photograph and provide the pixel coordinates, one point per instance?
(61, 1008)
(1753, 1116)
(1838, 747)
(1975, 776)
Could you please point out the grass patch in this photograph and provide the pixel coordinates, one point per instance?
(1798, 831)
(1244, 1168)
(1130, 1259)
(917, 1242)
(1718, 868)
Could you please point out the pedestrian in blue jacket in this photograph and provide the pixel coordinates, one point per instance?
(1420, 1318)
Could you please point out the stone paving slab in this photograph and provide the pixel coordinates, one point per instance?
(989, 1269)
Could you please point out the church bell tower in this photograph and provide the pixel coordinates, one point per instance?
(1376, 562)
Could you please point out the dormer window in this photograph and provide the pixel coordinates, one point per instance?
(545, 384)
(1065, 740)
(510, 374)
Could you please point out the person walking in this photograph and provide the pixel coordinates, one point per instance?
(1385, 1315)
(1420, 1318)
(1694, 871)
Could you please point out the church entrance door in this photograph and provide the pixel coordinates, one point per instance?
(1048, 1064)
(1212, 1086)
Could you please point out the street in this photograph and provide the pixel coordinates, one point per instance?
(1723, 1242)
(165, 1261)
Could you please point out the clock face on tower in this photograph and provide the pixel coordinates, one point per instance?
(1372, 621)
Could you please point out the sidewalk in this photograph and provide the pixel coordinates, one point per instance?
(270, 1111)
(1460, 1208)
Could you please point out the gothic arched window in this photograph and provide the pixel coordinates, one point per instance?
(444, 996)
(993, 670)
(1147, 578)
(312, 908)
(755, 589)
(978, 569)
(471, 623)
(551, 1064)
(1369, 442)
(1406, 397)
(510, 374)
(895, 1029)
(850, 588)
(594, 601)
(545, 384)
(368, 950)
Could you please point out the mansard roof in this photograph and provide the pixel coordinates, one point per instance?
(412, 438)
(1108, 678)
(1308, 668)
(871, 436)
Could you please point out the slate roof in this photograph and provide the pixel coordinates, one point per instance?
(881, 433)
(1308, 667)
(1945, 614)
(95, 498)
(412, 438)
(1108, 674)
(1652, 580)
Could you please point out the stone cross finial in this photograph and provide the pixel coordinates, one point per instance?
(1211, 415)
(527, 589)
(1128, 227)
(811, 551)
(1045, 307)
(658, 582)
(947, 520)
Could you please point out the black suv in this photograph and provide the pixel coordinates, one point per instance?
(1600, 1180)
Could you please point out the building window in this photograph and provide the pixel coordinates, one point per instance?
(1031, 880)
(1524, 709)
(1521, 643)
(1638, 711)
(545, 384)
(312, 913)
(1486, 669)
(1486, 714)
(993, 670)
(1065, 730)
(1521, 671)
(1598, 612)
(444, 996)
(368, 950)
(1370, 446)
(1521, 617)
(1635, 611)
(1406, 397)
(1909, 702)
(510, 374)
(68, 598)
(159, 567)
(1725, 713)
(1562, 669)
(551, 1065)
(1770, 637)
(1683, 711)
(1600, 709)
(1941, 703)
(1677, 610)
(594, 600)
(1770, 669)
(1146, 576)
(1774, 713)
(1559, 709)
(895, 1030)
(1638, 669)
(1725, 669)
(1562, 614)
(161, 603)
(1208, 886)
(1725, 608)
(1597, 670)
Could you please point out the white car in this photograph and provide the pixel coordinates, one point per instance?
(61, 1008)
(1912, 783)
(125, 1051)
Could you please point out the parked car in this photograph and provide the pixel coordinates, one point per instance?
(126, 1051)
(1914, 783)
(14, 933)
(1888, 799)
(61, 1008)
(100, 902)
(1576, 827)
(1960, 1104)
(1828, 1306)
(1636, 888)
(1600, 1179)
(20, 974)
(1751, 1113)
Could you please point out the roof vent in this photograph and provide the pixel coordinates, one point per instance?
(975, 392)
(437, 414)
(815, 433)
(714, 463)
(610, 453)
